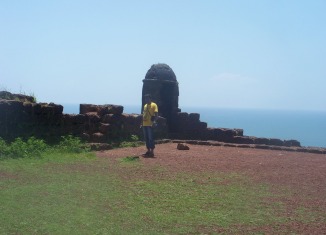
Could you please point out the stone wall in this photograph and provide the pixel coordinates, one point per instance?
(108, 122)
(24, 119)
(20, 116)
(189, 127)
(95, 123)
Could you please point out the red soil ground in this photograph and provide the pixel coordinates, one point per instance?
(304, 174)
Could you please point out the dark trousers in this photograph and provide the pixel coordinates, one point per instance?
(149, 137)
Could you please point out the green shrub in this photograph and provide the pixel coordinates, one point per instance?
(4, 149)
(132, 141)
(22, 149)
(71, 144)
(134, 138)
(35, 148)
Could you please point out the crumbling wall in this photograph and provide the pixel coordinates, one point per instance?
(189, 127)
(108, 122)
(95, 123)
(25, 119)
(20, 116)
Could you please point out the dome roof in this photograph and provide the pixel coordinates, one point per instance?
(161, 72)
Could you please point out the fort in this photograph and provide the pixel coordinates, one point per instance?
(21, 116)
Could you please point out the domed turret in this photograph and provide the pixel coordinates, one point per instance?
(161, 82)
(161, 72)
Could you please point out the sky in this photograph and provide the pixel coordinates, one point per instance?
(257, 54)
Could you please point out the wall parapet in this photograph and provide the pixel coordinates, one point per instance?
(21, 117)
(94, 123)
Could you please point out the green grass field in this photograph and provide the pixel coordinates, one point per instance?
(67, 193)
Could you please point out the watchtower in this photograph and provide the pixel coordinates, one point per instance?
(160, 81)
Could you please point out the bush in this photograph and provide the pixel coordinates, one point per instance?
(132, 141)
(22, 149)
(4, 149)
(35, 148)
(71, 144)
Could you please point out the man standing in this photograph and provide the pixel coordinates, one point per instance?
(150, 113)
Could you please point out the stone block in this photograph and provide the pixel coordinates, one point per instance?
(243, 140)
(182, 146)
(28, 107)
(292, 143)
(202, 125)
(262, 141)
(92, 117)
(37, 108)
(104, 128)
(183, 116)
(57, 109)
(110, 109)
(210, 134)
(14, 106)
(131, 123)
(87, 108)
(47, 110)
(238, 132)
(194, 117)
(276, 142)
(112, 118)
(225, 135)
(79, 118)
(98, 138)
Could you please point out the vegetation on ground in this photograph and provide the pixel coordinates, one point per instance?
(37, 148)
(132, 141)
(68, 190)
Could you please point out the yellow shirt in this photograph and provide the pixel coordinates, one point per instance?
(149, 111)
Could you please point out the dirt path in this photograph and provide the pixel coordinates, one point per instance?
(303, 174)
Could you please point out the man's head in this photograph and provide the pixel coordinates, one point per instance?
(148, 98)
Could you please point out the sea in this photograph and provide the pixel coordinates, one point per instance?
(308, 127)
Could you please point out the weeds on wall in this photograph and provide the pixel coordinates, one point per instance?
(7, 95)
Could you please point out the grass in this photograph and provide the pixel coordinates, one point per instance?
(81, 197)
(77, 193)
(132, 141)
(129, 159)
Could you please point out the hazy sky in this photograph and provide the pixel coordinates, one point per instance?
(237, 54)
